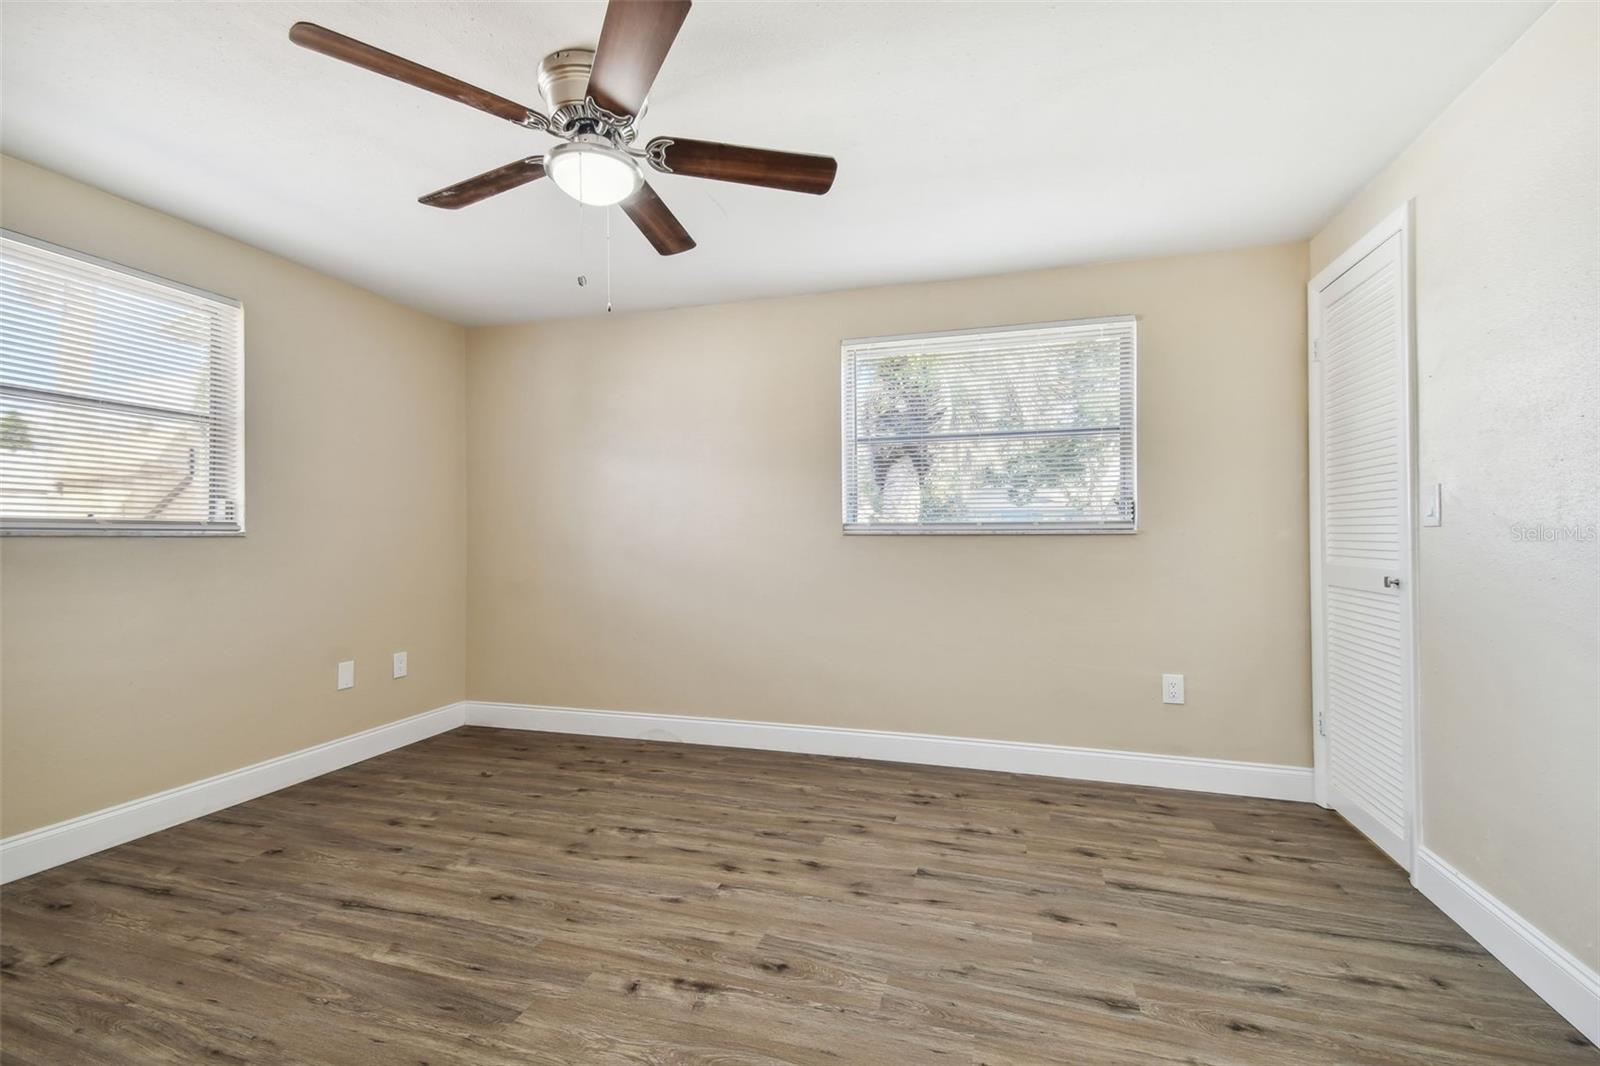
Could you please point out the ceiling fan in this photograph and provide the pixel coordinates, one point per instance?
(595, 99)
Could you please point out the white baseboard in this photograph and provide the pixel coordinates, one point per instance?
(1558, 978)
(1047, 760)
(40, 849)
(1568, 985)
(28, 853)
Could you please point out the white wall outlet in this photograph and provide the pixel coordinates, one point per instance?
(1432, 515)
(1171, 688)
(399, 664)
(347, 674)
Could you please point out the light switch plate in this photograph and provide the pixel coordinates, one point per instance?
(399, 664)
(347, 674)
(1171, 688)
(1432, 515)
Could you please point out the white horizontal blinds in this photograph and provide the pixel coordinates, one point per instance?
(120, 398)
(1006, 430)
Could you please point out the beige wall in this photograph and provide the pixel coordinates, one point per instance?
(655, 524)
(132, 665)
(1507, 271)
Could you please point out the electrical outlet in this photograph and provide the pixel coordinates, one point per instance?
(399, 664)
(347, 674)
(1171, 688)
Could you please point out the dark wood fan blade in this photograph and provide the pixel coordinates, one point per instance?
(319, 39)
(486, 184)
(747, 166)
(633, 44)
(658, 224)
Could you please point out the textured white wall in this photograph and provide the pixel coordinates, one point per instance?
(1507, 271)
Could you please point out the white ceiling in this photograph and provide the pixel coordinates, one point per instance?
(972, 138)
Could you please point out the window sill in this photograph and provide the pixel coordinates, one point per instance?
(120, 532)
(985, 531)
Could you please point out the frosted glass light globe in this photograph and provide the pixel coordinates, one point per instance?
(592, 172)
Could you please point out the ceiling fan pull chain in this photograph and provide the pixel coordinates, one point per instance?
(608, 260)
(583, 279)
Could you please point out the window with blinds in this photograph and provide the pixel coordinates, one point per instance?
(1028, 429)
(120, 399)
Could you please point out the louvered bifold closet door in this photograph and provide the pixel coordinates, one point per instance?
(120, 399)
(1366, 621)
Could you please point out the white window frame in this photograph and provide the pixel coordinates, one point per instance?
(53, 527)
(848, 422)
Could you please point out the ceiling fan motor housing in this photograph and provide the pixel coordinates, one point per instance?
(564, 84)
(564, 76)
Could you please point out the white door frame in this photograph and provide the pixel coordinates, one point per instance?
(1399, 221)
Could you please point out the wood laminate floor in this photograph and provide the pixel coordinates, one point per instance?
(490, 897)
